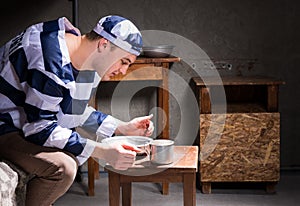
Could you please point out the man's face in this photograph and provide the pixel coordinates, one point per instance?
(109, 60)
(120, 66)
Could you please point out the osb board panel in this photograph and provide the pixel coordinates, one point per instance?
(246, 149)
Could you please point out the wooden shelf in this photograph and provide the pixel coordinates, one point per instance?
(236, 80)
(146, 60)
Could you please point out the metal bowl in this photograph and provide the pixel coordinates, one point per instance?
(141, 142)
(159, 51)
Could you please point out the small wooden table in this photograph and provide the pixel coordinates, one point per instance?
(183, 169)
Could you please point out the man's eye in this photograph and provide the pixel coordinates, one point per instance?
(124, 62)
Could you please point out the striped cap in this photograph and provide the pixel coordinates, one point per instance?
(121, 32)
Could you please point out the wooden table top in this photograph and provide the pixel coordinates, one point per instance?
(185, 157)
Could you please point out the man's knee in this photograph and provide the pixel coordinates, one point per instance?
(67, 168)
(63, 167)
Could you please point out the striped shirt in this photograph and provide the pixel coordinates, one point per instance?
(44, 96)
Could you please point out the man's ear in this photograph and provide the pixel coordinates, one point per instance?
(102, 44)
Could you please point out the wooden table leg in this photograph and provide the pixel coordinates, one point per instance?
(165, 188)
(126, 194)
(163, 102)
(271, 187)
(91, 177)
(206, 187)
(96, 170)
(189, 189)
(114, 188)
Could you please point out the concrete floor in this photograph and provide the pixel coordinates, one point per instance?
(148, 194)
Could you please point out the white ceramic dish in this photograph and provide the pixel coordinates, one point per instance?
(141, 142)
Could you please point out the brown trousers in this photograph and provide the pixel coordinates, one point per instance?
(54, 170)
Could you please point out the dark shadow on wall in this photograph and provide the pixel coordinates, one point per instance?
(16, 15)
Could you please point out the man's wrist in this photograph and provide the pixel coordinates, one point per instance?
(99, 151)
(121, 128)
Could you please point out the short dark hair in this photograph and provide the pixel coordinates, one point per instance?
(92, 36)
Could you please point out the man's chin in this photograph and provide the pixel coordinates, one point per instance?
(106, 78)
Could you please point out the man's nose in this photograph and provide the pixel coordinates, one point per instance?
(123, 70)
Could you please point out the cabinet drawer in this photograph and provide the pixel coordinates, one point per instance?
(246, 149)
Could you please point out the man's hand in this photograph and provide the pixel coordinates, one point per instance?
(140, 126)
(120, 156)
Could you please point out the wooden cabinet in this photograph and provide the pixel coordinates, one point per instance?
(241, 144)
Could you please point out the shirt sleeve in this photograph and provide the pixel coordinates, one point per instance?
(107, 128)
(98, 123)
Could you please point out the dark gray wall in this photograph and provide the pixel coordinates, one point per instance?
(16, 15)
(256, 37)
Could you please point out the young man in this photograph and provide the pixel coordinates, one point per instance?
(47, 75)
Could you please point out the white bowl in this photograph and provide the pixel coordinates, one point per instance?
(141, 142)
